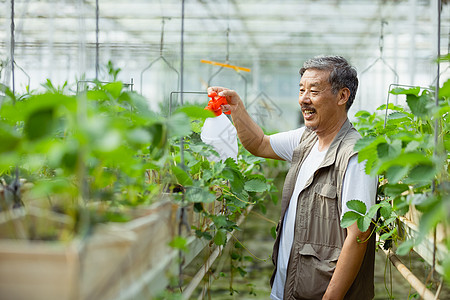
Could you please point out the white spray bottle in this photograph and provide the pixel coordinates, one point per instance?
(219, 132)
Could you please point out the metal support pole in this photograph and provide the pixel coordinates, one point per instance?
(436, 121)
(97, 16)
(412, 48)
(12, 48)
(182, 215)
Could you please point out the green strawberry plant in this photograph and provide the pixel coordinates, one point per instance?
(94, 155)
(95, 147)
(230, 186)
(233, 184)
(410, 155)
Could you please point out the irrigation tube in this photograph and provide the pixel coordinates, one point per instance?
(421, 289)
(201, 273)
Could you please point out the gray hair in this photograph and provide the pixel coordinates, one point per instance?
(342, 74)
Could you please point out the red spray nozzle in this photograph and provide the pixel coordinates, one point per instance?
(215, 103)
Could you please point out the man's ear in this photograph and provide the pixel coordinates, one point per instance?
(343, 96)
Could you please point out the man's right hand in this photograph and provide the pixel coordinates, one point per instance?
(231, 96)
(250, 134)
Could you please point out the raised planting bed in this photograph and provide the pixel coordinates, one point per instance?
(118, 260)
(410, 225)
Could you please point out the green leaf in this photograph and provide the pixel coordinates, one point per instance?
(396, 173)
(237, 181)
(196, 112)
(238, 245)
(253, 159)
(364, 143)
(418, 104)
(367, 150)
(358, 206)
(206, 235)
(7, 91)
(434, 214)
(183, 178)
(401, 206)
(40, 123)
(405, 247)
(219, 220)
(395, 189)
(249, 259)
(179, 243)
(178, 125)
(444, 57)
(444, 91)
(363, 114)
(221, 237)
(406, 159)
(386, 211)
(391, 106)
(364, 223)
(238, 199)
(255, 185)
(195, 194)
(398, 116)
(412, 146)
(114, 88)
(9, 136)
(138, 136)
(228, 174)
(373, 210)
(387, 235)
(196, 127)
(97, 95)
(117, 217)
(403, 91)
(197, 147)
(349, 218)
(158, 134)
(422, 172)
(383, 150)
(273, 232)
(242, 272)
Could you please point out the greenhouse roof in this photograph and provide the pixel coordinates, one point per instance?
(61, 39)
(266, 30)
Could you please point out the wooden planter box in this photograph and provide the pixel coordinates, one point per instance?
(102, 266)
(410, 226)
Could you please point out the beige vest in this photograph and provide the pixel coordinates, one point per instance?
(318, 236)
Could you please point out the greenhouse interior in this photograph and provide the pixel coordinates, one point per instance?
(121, 178)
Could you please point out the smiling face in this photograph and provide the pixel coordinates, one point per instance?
(323, 111)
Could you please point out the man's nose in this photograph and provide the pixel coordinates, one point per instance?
(304, 98)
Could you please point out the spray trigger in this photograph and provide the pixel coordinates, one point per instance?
(215, 103)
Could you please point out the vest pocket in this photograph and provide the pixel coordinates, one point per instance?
(325, 201)
(314, 269)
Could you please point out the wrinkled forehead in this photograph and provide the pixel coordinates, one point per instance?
(315, 77)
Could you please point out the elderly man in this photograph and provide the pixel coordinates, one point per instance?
(314, 257)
